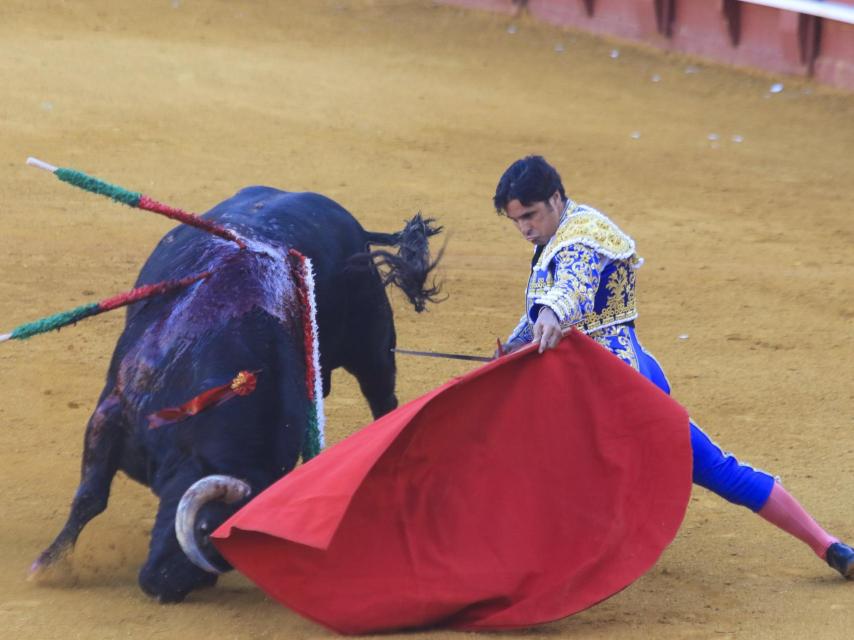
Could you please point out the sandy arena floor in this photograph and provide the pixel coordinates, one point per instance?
(739, 200)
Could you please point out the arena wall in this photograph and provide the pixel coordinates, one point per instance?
(809, 38)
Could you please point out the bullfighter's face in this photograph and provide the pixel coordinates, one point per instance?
(537, 222)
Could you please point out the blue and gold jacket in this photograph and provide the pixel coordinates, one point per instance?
(585, 274)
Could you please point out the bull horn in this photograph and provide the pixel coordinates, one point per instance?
(224, 488)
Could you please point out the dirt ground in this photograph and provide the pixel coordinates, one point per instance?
(738, 198)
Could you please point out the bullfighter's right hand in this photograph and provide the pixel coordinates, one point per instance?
(547, 331)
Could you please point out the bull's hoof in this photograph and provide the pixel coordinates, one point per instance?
(52, 569)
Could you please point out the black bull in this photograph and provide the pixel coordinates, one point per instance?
(244, 316)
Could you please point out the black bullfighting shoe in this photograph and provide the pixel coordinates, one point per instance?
(841, 557)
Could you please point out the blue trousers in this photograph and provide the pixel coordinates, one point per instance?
(714, 469)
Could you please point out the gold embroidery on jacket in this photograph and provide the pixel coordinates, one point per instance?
(585, 226)
(621, 306)
(616, 340)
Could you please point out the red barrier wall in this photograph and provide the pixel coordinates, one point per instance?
(727, 31)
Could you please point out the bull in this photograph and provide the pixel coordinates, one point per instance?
(245, 316)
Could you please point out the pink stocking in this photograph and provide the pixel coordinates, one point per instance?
(784, 511)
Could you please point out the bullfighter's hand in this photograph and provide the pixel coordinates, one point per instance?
(547, 329)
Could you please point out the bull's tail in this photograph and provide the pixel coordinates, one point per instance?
(411, 266)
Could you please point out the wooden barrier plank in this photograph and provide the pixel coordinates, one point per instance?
(798, 37)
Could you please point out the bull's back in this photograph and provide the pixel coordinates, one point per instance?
(309, 222)
(313, 224)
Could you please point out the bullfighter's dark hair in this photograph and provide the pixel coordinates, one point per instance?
(528, 180)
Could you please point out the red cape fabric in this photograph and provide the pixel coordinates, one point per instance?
(520, 493)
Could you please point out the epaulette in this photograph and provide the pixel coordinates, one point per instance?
(585, 225)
